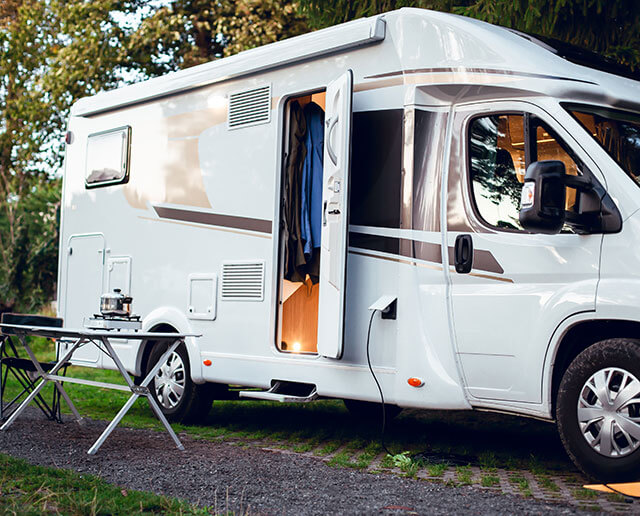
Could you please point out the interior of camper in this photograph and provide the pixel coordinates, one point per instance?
(301, 212)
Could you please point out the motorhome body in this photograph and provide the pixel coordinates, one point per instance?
(174, 190)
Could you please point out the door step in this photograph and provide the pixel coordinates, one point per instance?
(278, 393)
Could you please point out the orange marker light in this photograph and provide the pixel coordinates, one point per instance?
(415, 382)
(207, 362)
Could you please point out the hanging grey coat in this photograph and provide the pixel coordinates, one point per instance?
(295, 261)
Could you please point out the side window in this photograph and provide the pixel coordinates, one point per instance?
(497, 168)
(497, 150)
(108, 157)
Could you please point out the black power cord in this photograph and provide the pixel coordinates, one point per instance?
(384, 412)
(425, 455)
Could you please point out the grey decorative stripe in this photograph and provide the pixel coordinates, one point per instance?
(483, 260)
(475, 70)
(214, 219)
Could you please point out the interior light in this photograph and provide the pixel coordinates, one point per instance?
(297, 346)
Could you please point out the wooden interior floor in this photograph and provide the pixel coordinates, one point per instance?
(300, 317)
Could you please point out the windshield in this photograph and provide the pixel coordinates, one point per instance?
(617, 132)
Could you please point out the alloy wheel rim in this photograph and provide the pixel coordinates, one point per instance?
(609, 412)
(170, 381)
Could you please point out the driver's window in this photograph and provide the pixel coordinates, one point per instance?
(497, 164)
(496, 148)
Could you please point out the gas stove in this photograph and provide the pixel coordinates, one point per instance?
(113, 322)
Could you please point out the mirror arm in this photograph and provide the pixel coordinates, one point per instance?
(582, 183)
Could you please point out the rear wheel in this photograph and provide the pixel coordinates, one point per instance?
(369, 411)
(179, 398)
(598, 410)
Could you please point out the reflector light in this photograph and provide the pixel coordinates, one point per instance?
(415, 382)
(68, 138)
(207, 362)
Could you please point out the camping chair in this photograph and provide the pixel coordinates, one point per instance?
(23, 369)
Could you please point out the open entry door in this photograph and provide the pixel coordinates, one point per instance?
(335, 216)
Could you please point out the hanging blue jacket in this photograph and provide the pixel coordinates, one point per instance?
(311, 205)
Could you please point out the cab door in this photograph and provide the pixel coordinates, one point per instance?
(335, 216)
(510, 289)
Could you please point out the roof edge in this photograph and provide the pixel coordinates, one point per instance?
(363, 31)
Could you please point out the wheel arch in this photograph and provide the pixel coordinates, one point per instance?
(171, 320)
(578, 336)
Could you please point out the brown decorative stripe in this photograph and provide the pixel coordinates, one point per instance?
(214, 219)
(483, 260)
(475, 70)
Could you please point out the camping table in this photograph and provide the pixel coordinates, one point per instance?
(80, 337)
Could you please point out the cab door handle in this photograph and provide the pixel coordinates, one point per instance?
(463, 254)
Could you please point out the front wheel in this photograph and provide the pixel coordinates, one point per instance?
(598, 410)
(180, 399)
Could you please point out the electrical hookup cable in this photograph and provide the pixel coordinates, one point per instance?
(425, 455)
(384, 412)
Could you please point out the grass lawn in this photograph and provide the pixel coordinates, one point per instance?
(27, 489)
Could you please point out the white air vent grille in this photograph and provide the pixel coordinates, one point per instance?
(243, 281)
(250, 107)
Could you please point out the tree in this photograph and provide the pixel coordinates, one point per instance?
(609, 27)
(53, 52)
(331, 12)
(185, 33)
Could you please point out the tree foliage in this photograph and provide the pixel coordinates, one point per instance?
(185, 33)
(54, 52)
(609, 27)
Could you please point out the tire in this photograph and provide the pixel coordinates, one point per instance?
(179, 398)
(612, 369)
(370, 411)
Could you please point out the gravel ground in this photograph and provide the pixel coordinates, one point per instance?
(244, 480)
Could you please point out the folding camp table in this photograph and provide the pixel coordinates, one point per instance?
(101, 338)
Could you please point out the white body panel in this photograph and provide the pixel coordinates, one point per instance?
(201, 195)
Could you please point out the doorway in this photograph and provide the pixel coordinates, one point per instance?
(300, 230)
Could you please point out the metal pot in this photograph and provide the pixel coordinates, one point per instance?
(115, 303)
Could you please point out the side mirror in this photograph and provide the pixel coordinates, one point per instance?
(543, 201)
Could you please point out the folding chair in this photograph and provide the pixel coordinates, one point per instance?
(22, 369)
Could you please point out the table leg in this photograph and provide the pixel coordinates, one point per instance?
(116, 359)
(24, 404)
(67, 399)
(114, 422)
(158, 411)
(134, 396)
(58, 365)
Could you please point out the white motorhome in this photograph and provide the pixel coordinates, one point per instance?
(478, 186)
